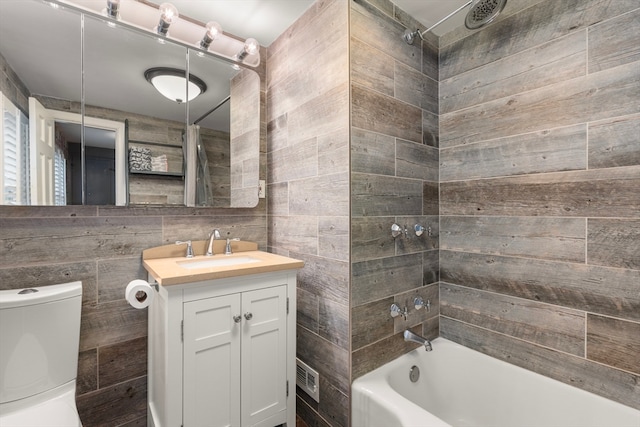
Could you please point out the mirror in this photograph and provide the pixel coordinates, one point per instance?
(226, 133)
(115, 61)
(35, 37)
(125, 117)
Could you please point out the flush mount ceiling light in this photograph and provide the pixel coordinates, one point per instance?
(171, 83)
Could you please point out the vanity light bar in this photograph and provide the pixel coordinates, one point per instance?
(146, 18)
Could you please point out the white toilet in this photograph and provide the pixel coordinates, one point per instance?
(39, 338)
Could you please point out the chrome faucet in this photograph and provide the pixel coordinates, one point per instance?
(410, 336)
(227, 250)
(215, 234)
(189, 247)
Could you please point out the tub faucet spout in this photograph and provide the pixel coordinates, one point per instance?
(410, 336)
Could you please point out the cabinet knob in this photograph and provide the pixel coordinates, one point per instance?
(237, 318)
(248, 316)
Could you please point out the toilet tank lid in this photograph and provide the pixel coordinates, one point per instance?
(30, 296)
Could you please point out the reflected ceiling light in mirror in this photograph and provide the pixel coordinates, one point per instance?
(168, 13)
(251, 47)
(213, 30)
(171, 83)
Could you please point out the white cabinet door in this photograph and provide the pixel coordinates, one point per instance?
(264, 354)
(235, 367)
(211, 395)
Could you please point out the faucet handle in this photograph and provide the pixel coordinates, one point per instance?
(396, 311)
(189, 247)
(419, 303)
(227, 250)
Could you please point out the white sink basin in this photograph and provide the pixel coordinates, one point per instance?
(216, 262)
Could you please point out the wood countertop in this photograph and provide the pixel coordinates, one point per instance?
(167, 267)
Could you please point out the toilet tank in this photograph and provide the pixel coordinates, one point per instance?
(39, 338)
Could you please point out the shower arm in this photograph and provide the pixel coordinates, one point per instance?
(422, 33)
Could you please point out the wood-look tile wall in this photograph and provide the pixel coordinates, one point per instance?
(534, 156)
(539, 192)
(12, 87)
(308, 193)
(102, 247)
(244, 139)
(394, 179)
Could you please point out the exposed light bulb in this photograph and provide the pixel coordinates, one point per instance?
(168, 13)
(251, 47)
(213, 31)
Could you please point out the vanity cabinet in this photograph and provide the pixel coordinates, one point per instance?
(234, 358)
(222, 352)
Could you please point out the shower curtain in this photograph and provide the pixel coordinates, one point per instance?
(203, 187)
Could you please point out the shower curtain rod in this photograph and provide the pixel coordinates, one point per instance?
(212, 110)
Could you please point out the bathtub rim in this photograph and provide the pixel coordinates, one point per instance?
(379, 379)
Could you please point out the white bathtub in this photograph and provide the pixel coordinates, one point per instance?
(462, 387)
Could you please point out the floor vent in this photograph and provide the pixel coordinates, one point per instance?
(308, 380)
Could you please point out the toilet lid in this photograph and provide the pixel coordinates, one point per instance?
(52, 413)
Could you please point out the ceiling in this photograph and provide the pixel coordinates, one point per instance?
(428, 12)
(265, 20)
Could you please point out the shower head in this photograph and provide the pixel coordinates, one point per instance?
(483, 12)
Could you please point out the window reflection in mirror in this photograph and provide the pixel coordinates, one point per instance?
(43, 65)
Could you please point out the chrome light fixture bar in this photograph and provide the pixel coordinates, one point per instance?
(143, 16)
